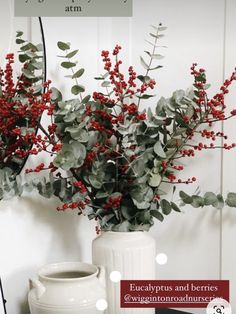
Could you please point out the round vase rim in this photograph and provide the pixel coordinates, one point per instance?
(46, 276)
(129, 233)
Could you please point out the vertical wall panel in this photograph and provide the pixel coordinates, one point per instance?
(229, 214)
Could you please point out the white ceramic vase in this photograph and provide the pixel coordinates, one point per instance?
(130, 253)
(67, 288)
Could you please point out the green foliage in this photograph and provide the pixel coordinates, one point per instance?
(209, 199)
(11, 185)
(29, 80)
(148, 65)
(69, 64)
(71, 156)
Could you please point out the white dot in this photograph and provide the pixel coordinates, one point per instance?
(115, 276)
(101, 305)
(161, 258)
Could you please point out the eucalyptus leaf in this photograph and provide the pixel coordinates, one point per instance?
(145, 96)
(86, 99)
(95, 182)
(144, 64)
(19, 33)
(28, 74)
(162, 28)
(106, 84)
(144, 79)
(158, 215)
(154, 35)
(158, 149)
(154, 56)
(175, 207)
(71, 54)
(78, 73)
(220, 201)
(211, 199)
(166, 207)
(77, 89)
(198, 201)
(155, 180)
(231, 200)
(56, 94)
(20, 41)
(68, 65)
(23, 57)
(63, 46)
(185, 197)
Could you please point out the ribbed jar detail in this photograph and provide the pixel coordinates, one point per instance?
(130, 253)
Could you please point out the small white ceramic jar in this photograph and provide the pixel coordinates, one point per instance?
(67, 288)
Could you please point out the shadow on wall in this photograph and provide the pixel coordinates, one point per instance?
(34, 233)
(60, 236)
(14, 282)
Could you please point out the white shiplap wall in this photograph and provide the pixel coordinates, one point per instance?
(229, 173)
(199, 242)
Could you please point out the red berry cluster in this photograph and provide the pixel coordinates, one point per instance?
(81, 186)
(113, 202)
(215, 107)
(19, 118)
(122, 88)
(106, 60)
(97, 229)
(116, 50)
(39, 168)
(102, 99)
(206, 111)
(141, 116)
(144, 87)
(187, 153)
(131, 109)
(132, 77)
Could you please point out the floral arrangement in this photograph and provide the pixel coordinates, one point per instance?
(111, 158)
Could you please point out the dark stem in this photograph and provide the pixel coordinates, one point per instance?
(4, 301)
(216, 120)
(44, 49)
(44, 131)
(119, 148)
(80, 179)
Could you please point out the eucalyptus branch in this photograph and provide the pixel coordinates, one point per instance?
(76, 80)
(151, 60)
